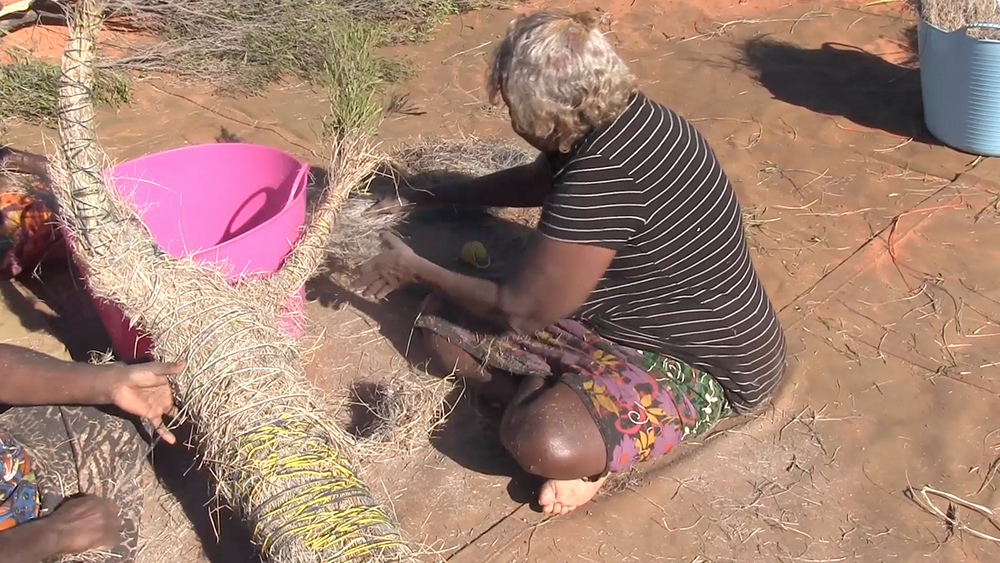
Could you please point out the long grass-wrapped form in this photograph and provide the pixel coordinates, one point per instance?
(276, 459)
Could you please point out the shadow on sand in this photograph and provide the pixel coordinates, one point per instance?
(842, 80)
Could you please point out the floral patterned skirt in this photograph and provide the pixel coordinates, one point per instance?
(19, 499)
(644, 404)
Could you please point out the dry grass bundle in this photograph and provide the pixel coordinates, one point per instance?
(245, 45)
(436, 160)
(358, 236)
(399, 415)
(276, 459)
(951, 15)
(397, 20)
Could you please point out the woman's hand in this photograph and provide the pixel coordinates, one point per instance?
(144, 390)
(390, 196)
(77, 526)
(83, 524)
(395, 267)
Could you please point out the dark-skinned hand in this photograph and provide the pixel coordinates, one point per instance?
(393, 268)
(390, 196)
(85, 523)
(144, 391)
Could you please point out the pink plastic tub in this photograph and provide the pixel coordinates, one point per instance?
(236, 207)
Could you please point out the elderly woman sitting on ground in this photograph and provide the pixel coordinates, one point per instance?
(636, 319)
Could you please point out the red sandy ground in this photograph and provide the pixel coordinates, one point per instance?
(46, 42)
(875, 244)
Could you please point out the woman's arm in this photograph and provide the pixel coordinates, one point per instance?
(30, 378)
(554, 280)
(521, 186)
(23, 162)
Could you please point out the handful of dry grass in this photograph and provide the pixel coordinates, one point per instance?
(421, 164)
(951, 15)
(440, 159)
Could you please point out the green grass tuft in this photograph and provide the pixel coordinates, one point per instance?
(244, 46)
(28, 90)
(353, 76)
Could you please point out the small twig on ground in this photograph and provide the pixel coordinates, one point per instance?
(841, 214)
(467, 51)
(795, 133)
(899, 146)
(771, 168)
(990, 473)
(663, 522)
(922, 498)
(792, 421)
(786, 526)
(753, 217)
(754, 139)
(720, 28)
(891, 243)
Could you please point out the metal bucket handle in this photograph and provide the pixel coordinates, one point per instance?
(984, 25)
(980, 25)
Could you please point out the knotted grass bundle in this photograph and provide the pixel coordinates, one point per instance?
(437, 159)
(951, 15)
(277, 460)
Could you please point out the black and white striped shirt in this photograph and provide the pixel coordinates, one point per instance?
(681, 284)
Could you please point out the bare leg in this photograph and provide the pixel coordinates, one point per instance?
(550, 433)
(23, 162)
(546, 426)
(496, 386)
(447, 359)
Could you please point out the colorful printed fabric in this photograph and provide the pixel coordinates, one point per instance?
(19, 498)
(643, 403)
(27, 232)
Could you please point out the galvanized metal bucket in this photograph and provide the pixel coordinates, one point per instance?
(960, 81)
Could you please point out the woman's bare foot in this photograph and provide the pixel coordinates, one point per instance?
(562, 497)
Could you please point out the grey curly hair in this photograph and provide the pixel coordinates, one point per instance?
(559, 77)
